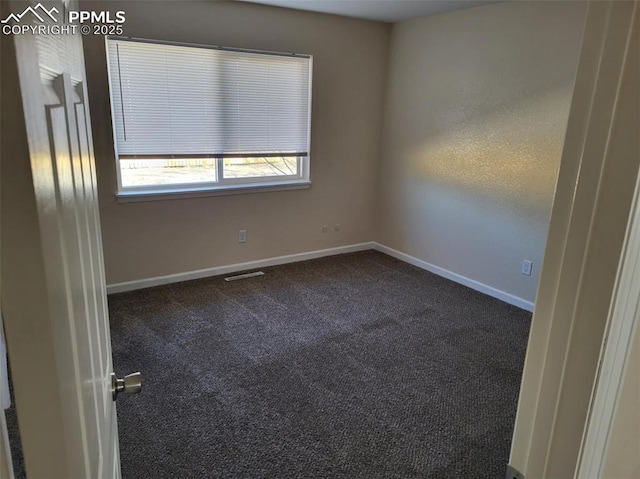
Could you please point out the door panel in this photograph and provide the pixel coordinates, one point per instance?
(73, 317)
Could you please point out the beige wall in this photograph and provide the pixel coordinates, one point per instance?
(148, 239)
(623, 454)
(476, 112)
(475, 118)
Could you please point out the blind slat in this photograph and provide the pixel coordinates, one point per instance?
(177, 100)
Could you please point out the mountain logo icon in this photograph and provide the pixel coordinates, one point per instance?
(39, 11)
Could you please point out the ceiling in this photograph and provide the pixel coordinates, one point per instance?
(379, 10)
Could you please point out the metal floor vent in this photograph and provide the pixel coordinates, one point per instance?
(244, 276)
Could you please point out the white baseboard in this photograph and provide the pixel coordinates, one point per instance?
(473, 284)
(234, 268)
(293, 258)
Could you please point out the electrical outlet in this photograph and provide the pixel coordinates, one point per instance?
(526, 267)
(242, 236)
(325, 228)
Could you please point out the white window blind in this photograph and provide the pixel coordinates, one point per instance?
(172, 100)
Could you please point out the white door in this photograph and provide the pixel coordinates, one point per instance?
(54, 295)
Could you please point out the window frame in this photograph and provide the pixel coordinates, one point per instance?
(220, 186)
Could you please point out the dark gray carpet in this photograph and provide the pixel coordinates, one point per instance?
(354, 366)
(14, 437)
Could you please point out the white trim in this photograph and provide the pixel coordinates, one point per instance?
(471, 283)
(293, 258)
(622, 324)
(177, 194)
(233, 268)
(6, 464)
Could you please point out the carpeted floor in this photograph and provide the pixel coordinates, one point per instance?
(14, 438)
(357, 366)
(354, 366)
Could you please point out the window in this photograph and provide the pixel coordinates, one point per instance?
(200, 118)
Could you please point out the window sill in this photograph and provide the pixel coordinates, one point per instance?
(182, 193)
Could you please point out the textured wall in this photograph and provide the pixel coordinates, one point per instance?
(143, 240)
(476, 112)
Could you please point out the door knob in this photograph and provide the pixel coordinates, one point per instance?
(131, 384)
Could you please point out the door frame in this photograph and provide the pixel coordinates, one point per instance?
(586, 238)
(6, 463)
(623, 323)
